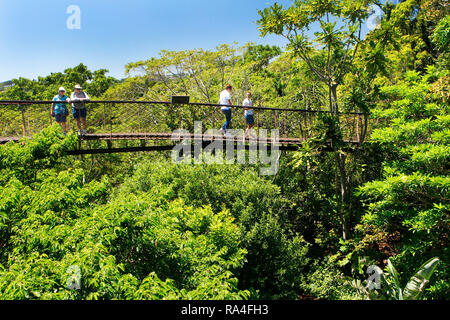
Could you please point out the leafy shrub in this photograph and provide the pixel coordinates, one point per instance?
(126, 246)
(327, 282)
(410, 200)
(275, 258)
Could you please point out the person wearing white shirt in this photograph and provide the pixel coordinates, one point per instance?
(79, 111)
(225, 99)
(248, 113)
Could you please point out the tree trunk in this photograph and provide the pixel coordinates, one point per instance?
(334, 104)
(342, 185)
(344, 193)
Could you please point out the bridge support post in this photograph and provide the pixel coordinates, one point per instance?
(80, 147)
(24, 126)
(358, 132)
(110, 118)
(257, 123)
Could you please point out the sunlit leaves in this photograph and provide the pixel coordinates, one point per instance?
(45, 88)
(412, 198)
(199, 73)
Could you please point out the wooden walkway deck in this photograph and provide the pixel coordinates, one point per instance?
(285, 144)
(172, 137)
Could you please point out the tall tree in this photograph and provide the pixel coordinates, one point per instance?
(339, 36)
(198, 73)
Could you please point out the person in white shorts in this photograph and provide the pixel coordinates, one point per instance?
(248, 113)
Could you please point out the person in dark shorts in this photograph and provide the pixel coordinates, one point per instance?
(79, 111)
(59, 109)
(225, 101)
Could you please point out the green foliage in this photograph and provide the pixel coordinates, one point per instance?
(199, 73)
(45, 88)
(390, 285)
(337, 37)
(123, 246)
(415, 287)
(411, 199)
(275, 262)
(441, 35)
(238, 189)
(24, 160)
(275, 257)
(262, 55)
(327, 282)
(169, 231)
(441, 39)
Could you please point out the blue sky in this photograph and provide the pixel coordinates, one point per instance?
(34, 39)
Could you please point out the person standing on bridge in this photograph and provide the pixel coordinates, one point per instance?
(79, 111)
(248, 113)
(59, 109)
(225, 99)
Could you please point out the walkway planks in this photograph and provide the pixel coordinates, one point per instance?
(286, 144)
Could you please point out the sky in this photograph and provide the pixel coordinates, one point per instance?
(35, 40)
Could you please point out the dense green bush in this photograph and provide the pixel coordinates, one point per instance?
(129, 246)
(326, 281)
(169, 231)
(411, 199)
(275, 257)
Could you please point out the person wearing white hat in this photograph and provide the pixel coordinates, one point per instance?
(79, 111)
(59, 109)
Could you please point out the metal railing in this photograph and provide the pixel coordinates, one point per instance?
(26, 118)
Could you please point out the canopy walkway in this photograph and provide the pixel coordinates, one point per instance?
(156, 124)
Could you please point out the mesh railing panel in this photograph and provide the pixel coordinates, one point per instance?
(114, 117)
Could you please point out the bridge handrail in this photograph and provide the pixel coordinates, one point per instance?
(31, 102)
